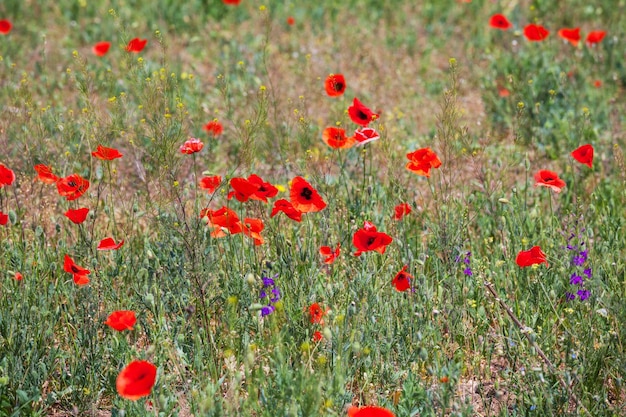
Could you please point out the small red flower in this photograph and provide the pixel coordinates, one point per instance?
(597, 83)
(550, 179)
(78, 272)
(336, 138)
(121, 320)
(136, 380)
(369, 239)
(45, 175)
(365, 135)
(243, 189)
(499, 21)
(595, 37)
(5, 27)
(503, 92)
(317, 336)
(532, 256)
(535, 33)
(232, 2)
(214, 127)
(402, 280)
(72, 186)
(401, 210)
(335, 85)
(192, 145)
(106, 154)
(304, 197)
(369, 411)
(291, 21)
(329, 254)
(584, 155)
(7, 176)
(77, 216)
(136, 45)
(4, 219)
(222, 219)
(253, 228)
(316, 314)
(360, 114)
(18, 276)
(570, 35)
(264, 190)
(210, 183)
(101, 48)
(287, 208)
(109, 244)
(422, 160)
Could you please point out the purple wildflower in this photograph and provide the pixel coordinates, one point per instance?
(569, 296)
(587, 272)
(583, 294)
(468, 271)
(576, 279)
(267, 310)
(275, 295)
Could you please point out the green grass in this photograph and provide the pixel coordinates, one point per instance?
(448, 348)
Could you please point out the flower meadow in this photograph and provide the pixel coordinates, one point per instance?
(359, 208)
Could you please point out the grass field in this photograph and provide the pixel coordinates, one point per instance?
(461, 276)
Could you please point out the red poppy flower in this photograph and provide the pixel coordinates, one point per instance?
(597, 83)
(595, 37)
(402, 280)
(18, 276)
(503, 92)
(335, 85)
(121, 320)
(570, 35)
(369, 239)
(232, 2)
(584, 155)
(336, 138)
(222, 219)
(360, 114)
(535, 33)
(72, 186)
(317, 336)
(136, 45)
(550, 179)
(291, 21)
(422, 160)
(243, 189)
(214, 127)
(5, 26)
(304, 197)
(109, 244)
(532, 256)
(264, 190)
(287, 208)
(365, 135)
(316, 314)
(78, 272)
(101, 48)
(210, 183)
(106, 154)
(499, 21)
(193, 145)
(253, 228)
(369, 411)
(4, 219)
(401, 210)
(7, 176)
(45, 175)
(329, 254)
(77, 216)
(136, 380)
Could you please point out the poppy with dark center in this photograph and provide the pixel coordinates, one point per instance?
(4, 219)
(109, 244)
(336, 138)
(264, 191)
(136, 45)
(287, 208)
(121, 320)
(45, 175)
(550, 179)
(499, 21)
(101, 48)
(191, 146)
(401, 210)
(106, 154)
(304, 197)
(72, 187)
(335, 85)
(532, 256)
(136, 380)
(422, 160)
(402, 280)
(369, 411)
(210, 184)
(78, 272)
(222, 219)
(77, 216)
(213, 127)
(535, 33)
(584, 155)
(316, 314)
(329, 254)
(243, 189)
(595, 37)
(365, 135)
(570, 35)
(369, 239)
(7, 176)
(253, 228)
(5, 27)
(360, 114)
